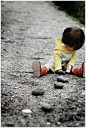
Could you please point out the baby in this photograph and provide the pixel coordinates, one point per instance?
(65, 53)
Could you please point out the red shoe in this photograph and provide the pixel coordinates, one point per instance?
(44, 70)
(80, 71)
(38, 71)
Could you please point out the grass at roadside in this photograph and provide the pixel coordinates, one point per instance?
(75, 9)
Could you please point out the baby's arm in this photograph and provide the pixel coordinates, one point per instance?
(71, 63)
(73, 59)
(58, 67)
(57, 60)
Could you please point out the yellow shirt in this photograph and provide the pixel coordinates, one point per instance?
(62, 55)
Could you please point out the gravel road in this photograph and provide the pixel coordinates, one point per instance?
(28, 32)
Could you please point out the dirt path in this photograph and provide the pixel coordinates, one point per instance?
(28, 32)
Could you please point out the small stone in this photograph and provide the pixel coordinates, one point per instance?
(2, 37)
(15, 92)
(58, 123)
(10, 124)
(58, 85)
(78, 117)
(47, 107)
(11, 41)
(25, 42)
(26, 111)
(8, 39)
(15, 87)
(61, 72)
(62, 79)
(76, 125)
(69, 124)
(37, 92)
(74, 113)
(48, 123)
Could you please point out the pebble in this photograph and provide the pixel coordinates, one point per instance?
(48, 123)
(15, 92)
(37, 92)
(62, 79)
(69, 124)
(77, 125)
(10, 124)
(2, 37)
(15, 87)
(58, 123)
(26, 111)
(61, 72)
(11, 41)
(78, 117)
(47, 106)
(58, 85)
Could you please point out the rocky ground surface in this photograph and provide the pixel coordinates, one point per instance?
(28, 32)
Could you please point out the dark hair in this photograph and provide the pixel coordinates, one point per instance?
(73, 37)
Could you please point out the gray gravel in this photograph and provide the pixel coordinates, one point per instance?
(28, 32)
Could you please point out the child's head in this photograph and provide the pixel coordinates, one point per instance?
(73, 37)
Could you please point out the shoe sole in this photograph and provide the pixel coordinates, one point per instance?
(36, 66)
(83, 70)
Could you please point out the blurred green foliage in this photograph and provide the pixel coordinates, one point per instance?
(73, 8)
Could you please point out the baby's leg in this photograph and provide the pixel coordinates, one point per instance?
(41, 70)
(38, 70)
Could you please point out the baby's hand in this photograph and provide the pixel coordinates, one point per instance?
(69, 67)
